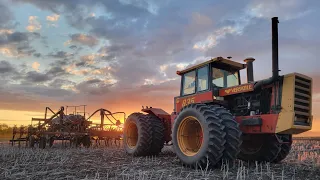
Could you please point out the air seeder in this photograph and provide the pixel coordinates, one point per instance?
(74, 127)
(216, 117)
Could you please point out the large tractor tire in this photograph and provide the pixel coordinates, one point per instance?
(157, 134)
(264, 147)
(137, 137)
(285, 147)
(232, 130)
(198, 136)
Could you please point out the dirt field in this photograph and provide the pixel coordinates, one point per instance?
(112, 163)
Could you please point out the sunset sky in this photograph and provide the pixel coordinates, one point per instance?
(122, 54)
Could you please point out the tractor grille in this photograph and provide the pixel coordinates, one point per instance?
(302, 100)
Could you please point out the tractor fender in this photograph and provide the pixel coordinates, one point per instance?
(160, 113)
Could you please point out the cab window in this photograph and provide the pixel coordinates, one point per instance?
(232, 79)
(189, 81)
(203, 79)
(223, 78)
(218, 77)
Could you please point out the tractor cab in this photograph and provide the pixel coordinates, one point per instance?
(214, 74)
(208, 81)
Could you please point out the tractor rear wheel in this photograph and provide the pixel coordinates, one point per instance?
(198, 136)
(137, 136)
(265, 147)
(232, 130)
(157, 134)
(285, 147)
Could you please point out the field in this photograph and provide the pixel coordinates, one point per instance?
(103, 162)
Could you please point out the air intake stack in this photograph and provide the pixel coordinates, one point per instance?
(249, 62)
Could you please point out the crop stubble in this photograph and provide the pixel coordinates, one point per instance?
(112, 163)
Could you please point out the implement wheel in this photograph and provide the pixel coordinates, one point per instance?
(86, 141)
(198, 136)
(42, 142)
(31, 141)
(51, 141)
(137, 136)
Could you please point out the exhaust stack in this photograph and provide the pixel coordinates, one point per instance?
(275, 57)
(249, 62)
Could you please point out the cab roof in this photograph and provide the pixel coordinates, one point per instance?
(218, 60)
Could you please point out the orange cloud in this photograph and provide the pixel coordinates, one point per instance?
(34, 24)
(35, 66)
(53, 18)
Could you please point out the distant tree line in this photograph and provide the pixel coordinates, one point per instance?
(5, 130)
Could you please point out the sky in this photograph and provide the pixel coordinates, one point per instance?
(122, 54)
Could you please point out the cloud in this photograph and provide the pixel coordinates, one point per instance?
(34, 24)
(37, 55)
(286, 9)
(22, 74)
(83, 39)
(37, 77)
(61, 83)
(60, 55)
(56, 71)
(17, 44)
(35, 66)
(6, 16)
(6, 67)
(93, 87)
(53, 18)
(73, 47)
(6, 31)
(87, 60)
(213, 39)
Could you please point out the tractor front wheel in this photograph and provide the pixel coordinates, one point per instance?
(285, 147)
(198, 136)
(265, 147)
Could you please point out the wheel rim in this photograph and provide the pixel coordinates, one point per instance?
(190, 136)
(132, 135)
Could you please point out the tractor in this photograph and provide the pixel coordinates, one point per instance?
(217, 118)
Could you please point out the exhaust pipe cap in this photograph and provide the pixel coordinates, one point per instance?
(249, 59)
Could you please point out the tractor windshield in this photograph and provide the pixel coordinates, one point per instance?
(223, 78)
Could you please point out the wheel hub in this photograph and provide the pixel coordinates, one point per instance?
(190, 136)
(132, 135)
